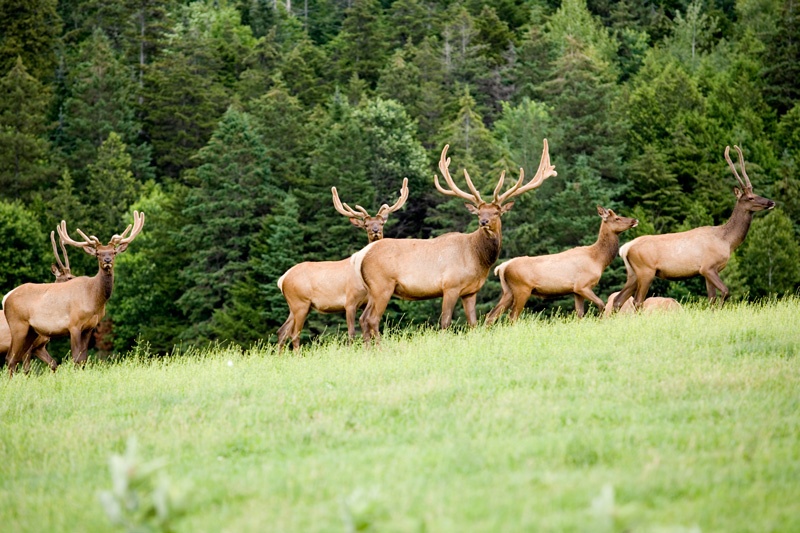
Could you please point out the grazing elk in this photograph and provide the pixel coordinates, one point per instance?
(704, 251)
(38, 310)
(331, 286)
(453, 265)
(62, 274)
(654, 303)
(574, 271)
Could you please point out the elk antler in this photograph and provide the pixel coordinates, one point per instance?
(544, 171)
(138, 224)
(745, 184)
(444, 163)
(345, 209)
(385, 209)
(64, 236)
(63, 268)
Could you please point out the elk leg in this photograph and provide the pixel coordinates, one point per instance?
(300, 316)
(643, 285)
(469, 308)
(505, 302)
(284, 330)
(626, 292)
(520, 298)
(592, 297)
(578, 304)
(21, 343)
(449, 299)
(41, 353)
(79, 343)
(371, 317)
(713, 281)
(350, 315)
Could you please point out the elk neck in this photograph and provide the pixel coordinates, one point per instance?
(103, 282)
(486, 244)
(735, 229)
(606, 247)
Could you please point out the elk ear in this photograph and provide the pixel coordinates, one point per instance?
(54, 269)
(357, 222)
(737, 192)
(91, 250)
(121, 248)
(471, 208)
(602, 211)
(505, 208)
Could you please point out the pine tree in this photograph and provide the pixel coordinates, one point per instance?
(30, 32)
(112, 188)
(102, 99)
(23, 256)
(257, 307)
(24, 149)
(360, 48)
(232, 190)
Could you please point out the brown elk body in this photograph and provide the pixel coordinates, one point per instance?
(36, 310)
(703, 251)
(651, 304)
(62, 273)
(331, 286)
(451, 266)
(574, 271)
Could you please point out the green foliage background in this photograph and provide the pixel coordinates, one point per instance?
(227, 122)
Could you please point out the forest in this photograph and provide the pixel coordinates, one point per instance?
(228, 121)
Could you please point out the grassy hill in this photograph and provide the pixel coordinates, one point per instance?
(674, 422)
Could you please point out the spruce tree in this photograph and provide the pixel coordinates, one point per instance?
(30, 32)
(23, 256)
(769, 260)
(360, 47)
(112, 188)
(24, 148)
(232, 189)
(781, 60)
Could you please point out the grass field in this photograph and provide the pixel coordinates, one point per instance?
(679, 422)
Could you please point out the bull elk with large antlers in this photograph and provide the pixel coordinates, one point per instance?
(574, 271)
(701, 251)
(38, 310)
(451, 266)
(331, 286)
(39, 348)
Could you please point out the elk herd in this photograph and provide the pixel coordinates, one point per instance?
(452, 266)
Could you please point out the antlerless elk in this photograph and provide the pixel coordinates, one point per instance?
(574, 271)
(704, 251)
(331, 286)
(453, 266)
(74, 308)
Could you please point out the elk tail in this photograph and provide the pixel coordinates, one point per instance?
(5, 297)
(623, 253)
(500, 272)
(358, 258)
(280, 280)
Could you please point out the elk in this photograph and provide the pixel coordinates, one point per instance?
(331, 286)
(704, 251)
(36, 310)
(62, 274)
(654, 303)
(451, 266)
(574, 271)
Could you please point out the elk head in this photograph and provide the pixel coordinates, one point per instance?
(360, 218)
(614, 222)
(61, 272)
(105, 253)
(746, 197)
(489, 213)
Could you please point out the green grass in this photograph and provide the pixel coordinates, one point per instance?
(679, 422)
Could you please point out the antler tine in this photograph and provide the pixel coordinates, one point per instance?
(544, 171)
(92, 239)
(385, 209)
(344, 209)
(363, 211)
(62, 233)
(499, 185)
(64, 250)
(55, 252)
(138, 224)
(741, 166)
(444, 163)
(733, 168)
(472, 188)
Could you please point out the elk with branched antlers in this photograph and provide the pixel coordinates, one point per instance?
(451, 266)
(703, 251)
(575, 271)
(37, 310)
(39, 348)
(331, 286)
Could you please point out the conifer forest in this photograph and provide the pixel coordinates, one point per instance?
(228, 121)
